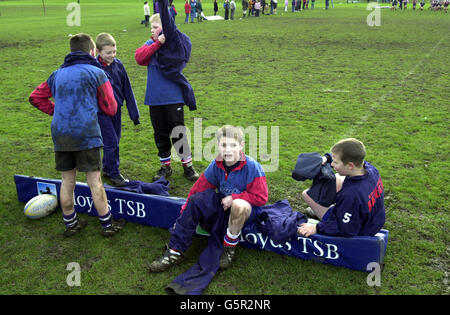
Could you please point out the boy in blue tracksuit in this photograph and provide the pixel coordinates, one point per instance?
(166, 55)
(111, 127)
(359, 205)
(241, 186)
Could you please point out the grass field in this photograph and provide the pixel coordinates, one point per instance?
(317, 75)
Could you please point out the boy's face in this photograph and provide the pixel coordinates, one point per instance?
(339, 166)
(230, 150)
(156, 30)
(108, 53)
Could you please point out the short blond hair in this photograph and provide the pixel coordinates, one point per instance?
(229, 131)
(350, 150)
(155, 18)
(104, 39)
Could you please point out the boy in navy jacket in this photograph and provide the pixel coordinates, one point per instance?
(241, 185)
(165, 55)
(80, 89)
(111, 127)
(359, 207)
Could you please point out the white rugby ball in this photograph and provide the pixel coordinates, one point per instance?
(40, 206)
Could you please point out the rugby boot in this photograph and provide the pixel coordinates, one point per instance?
(165, 170)
(189, 172)
(164, 262)
(81, 224)
(116, 226)
(228, 255)
(119, 181)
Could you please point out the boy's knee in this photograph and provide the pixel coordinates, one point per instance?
(69, 184)
(94, 180)
(305, 194)
(240, 208)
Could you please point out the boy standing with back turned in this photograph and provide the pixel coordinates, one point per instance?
(359, 207)
(80, 89)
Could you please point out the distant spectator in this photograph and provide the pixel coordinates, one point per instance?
(244, 8)
(193, 10)
(172, 10)
(226, 6)
(146, 14)
(257, 7)
(199, 9)
(232, 9)
(216, 7)
(187, 10)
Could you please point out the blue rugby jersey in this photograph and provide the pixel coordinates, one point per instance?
(160, 90)
(121, 85)
(80, 90)
(359, 208)
(247, 181)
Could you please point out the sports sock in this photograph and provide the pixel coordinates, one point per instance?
(106, 220)
(230, 239)
(70, 220)
(187, 161)
(165, 161)
(173, 251)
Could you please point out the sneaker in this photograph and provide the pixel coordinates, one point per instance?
(119, 181)
(227, 257)
(115, 227)
(167, 260)
(81, 224)
(189, 172)
(165, 170)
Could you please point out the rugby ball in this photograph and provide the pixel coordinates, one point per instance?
(40, 206)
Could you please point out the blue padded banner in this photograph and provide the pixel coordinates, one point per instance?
(162, 211)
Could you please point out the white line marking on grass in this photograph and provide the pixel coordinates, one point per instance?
(372, 109)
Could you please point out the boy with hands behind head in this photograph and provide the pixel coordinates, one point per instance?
(165, 55)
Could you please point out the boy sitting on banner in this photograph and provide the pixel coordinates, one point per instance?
(359, 204)
(241, 186)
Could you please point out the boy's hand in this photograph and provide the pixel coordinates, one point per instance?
(227, 202)
(307, 229)
(162, 38)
